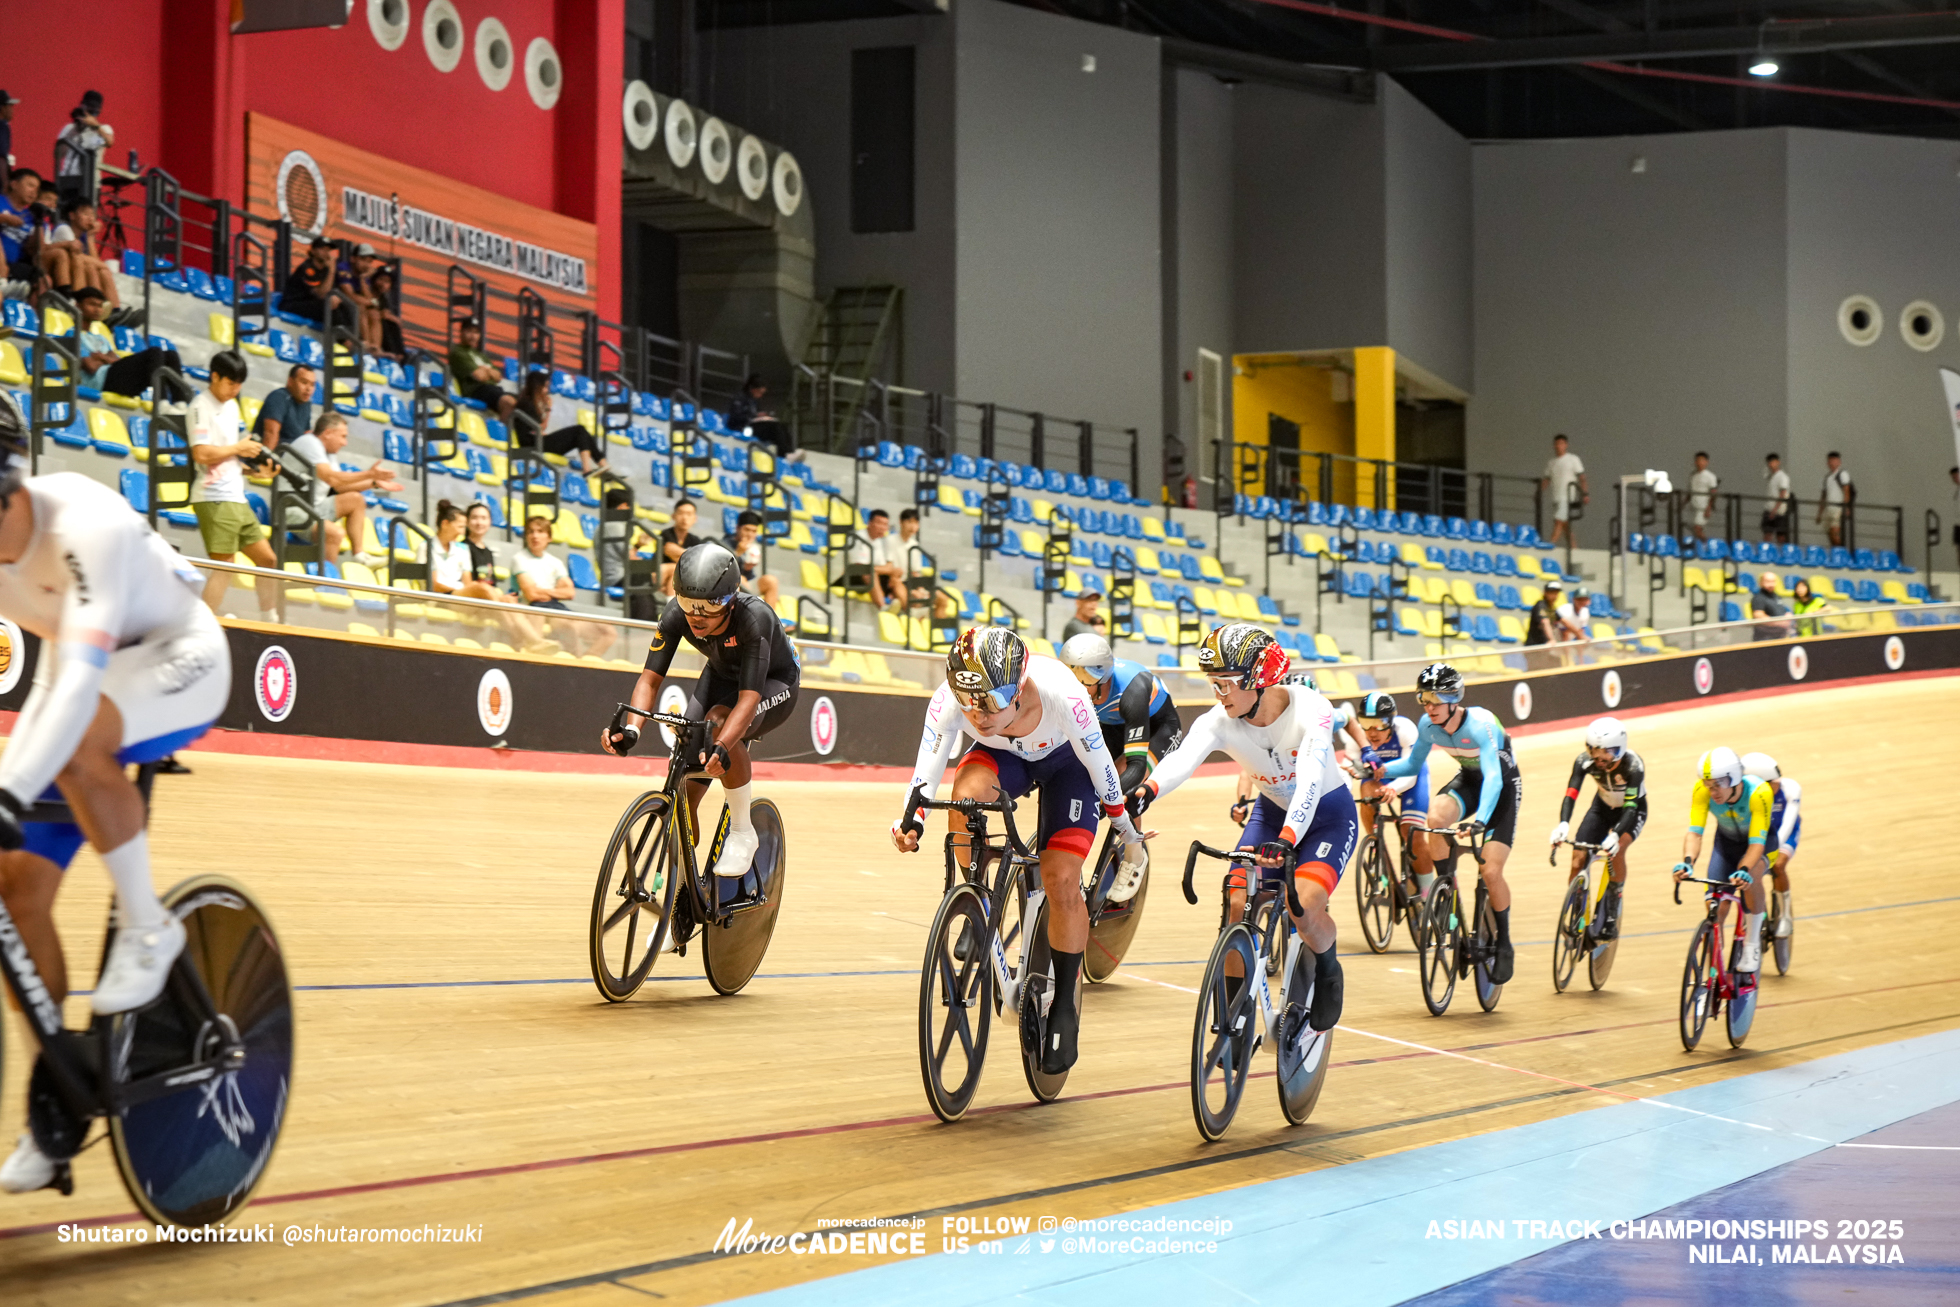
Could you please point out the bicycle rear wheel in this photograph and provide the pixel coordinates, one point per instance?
(1569, 939)
(1304, 1053)
(633, 904)
(1110, 936)
(1781, 946)
(196, 1106)
(1374, 895)
(1599, 963)
(956, 1002)
(1698, 997)
(1222, 1034)
(1741, 1012)
(731, 953)
(1038, 979)
(1488, 990)
(1438, 938)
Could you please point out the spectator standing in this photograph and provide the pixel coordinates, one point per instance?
(1701, 495)
(7, 103)
(108, 371)
(750, 412)
(534, 402)
(287, 411)
(1088, 619)
(477, 375)
(339, 494)
(674, 541)
(1563, 472)
(746, 545)
(1771, 617)
(543, 582)
(1776, 514)
(872, 562)
(78, 147)
(224, 520)
(1837, 497)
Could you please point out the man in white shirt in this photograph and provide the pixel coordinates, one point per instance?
(337, 494)
(224, 519)
(86, 136)
(1838, 496)
(543, 582)
(1776, 514)
(1701, 495)
(1562, 473)
(875, 562)
(1575, 616)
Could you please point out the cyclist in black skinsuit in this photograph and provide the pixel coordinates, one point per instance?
(748, 688)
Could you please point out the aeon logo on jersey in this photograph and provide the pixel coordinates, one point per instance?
(275, 684)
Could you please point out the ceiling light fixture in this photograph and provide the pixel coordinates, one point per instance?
(1763, 67)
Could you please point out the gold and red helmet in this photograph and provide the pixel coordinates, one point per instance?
(1243, 651)
(985, 667)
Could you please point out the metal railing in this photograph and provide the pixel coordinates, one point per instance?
(1299, 477)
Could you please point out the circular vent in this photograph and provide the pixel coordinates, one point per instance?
(752, 167)
(1861, 320)
(1922, 326)
(682, 136)
(544, 76)
(717, 150)
(787, 181)
(639, 112)
(442, 35)
(388, 20)
(494, 59)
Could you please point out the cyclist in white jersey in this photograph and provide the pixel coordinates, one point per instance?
(1303, 822)
(131, 667)
(1033, 727)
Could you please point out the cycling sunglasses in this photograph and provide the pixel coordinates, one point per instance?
(1427, 697)
(1374, 723)
(1088, 677)
(987, 703)
(704, 607)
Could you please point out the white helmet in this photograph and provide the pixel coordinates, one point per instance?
(1089, 657)
(1761, 766)
(1607, 733)
(1719, 767)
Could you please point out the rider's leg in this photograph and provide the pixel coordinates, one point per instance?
(739, 850)
(1781, 877)
(974, 780)
(1327, 844)
(1444, 811)
(1068, 937)
(28, 884)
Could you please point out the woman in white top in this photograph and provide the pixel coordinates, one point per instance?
(449, 559)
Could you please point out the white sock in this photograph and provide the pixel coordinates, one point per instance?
(738, 806)
(1425, 879)
(129, 867)
(1755, 928)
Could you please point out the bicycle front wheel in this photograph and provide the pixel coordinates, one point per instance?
(1037, 981)
(1698, 997)
(1781, 944)
(731, 953)
(196, 1105)
(1438, 932)
(1304, 1052)
(1488, 990)
(1741, 1011)
(633, 904)
(1569, 939)
(1374, 895)
(1222, 1034)
(956, 1002)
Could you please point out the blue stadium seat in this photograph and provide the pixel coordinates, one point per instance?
(202, 286)
(583, 574)
(1481, 563)
(1509, 598)
(1864, 560)
(1456, 528)
(1457, 560)
(1666, 547)
(1432, 525)
(1730, 612)
(1435, 554)
(1098, 488)
(1484, 627)
(1502, 534)
(1480, 532)
(1527, 537)
(1337, 515)
(1890, 562)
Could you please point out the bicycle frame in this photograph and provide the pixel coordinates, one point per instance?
(1269, 891)
(1016, 859)
(690, 744)
(1722, 894)
(1600, 857)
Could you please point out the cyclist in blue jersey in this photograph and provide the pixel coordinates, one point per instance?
(1381, 736)
(1786, 828)
(1740, 807)
(1484, 795)
(1139, 722)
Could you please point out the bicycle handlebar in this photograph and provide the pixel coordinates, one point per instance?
(1729, 885)
(1577, 844)
(918, 803)
(1474, 841)
(666, 718)
(1241, 856)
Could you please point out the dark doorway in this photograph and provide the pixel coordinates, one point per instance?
(1283, 464)
(881, 139)
(651, 278)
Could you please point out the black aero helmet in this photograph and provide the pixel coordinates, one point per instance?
(706, 578)
(985, 667)
(1439, 683)
(13, 447)
(1377, 710)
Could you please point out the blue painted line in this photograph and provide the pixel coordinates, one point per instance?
(1356, 1234)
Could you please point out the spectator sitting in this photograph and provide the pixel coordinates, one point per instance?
(477, 375)
(452, 562)
(79, 145)
(1088, 619)
(70, 259)
(287, 411)
(1542, 627)
(746, 545)
(381, 324)
(337, 494)
(674, 541)
(483, 559)
(1575, 617)
(871, 563)
(224, 520)
(617, 539)
(107, 371)
(749, 413)
(908, 536)
(355, 279)
(543, 582)
(17, 229)
(534, 403)
(1771, 617)
(1804, 602)
(307, 286)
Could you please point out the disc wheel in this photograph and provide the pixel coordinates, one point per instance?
(1780, 946)
(956, 1002)
(1374, 894)
(731, 953)
(1039, 977)
(633, 904)
(1304, 1053)
(1741, 1012)
(191, 1148)
(1569, 940)
(1488, 990)
(1110, 936)
(1223, 1034)
(1698, 996)
(1438, 938)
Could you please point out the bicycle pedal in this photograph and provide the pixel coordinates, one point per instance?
(63, 1179)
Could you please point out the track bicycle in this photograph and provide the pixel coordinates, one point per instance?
(1448, 947)
(1112, 925)
(1709, 980)
(1382, 877)
(194, 1085)
(1232, 1023)
(1779, 946)
(637, 911)
(1582, 927)
(986, 953)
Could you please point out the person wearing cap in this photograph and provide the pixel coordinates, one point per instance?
(7, 103)
(85, 137)
(1088, 619)
(1575, 616)
(351, 279)
(104, 369)
(477, 375)
(305, 295)
(1542, 627)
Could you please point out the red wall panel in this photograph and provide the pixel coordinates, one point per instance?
(48, 67)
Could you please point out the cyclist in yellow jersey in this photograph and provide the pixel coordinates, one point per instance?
(1740, 806)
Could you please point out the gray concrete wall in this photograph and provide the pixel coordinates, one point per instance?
(1203, 205)
(1427, 220)
(1643, 313)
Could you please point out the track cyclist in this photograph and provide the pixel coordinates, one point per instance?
(1382, 736)
(1619, 809)
(1139, 723)
(1740, 805)
(1033, 728)
(1303, 822)
(748, 688)
(132, 666)
(1474, 737)
(1785, 823)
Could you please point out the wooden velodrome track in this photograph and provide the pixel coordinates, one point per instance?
(457, 1067)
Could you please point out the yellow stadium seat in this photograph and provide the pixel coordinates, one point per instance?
(1039, 644)
(1509, 625)
(569, 531)
(1209, 569)
(108, 428)
(361, 628)
(1432, 623)
(13, 369)
(1323, 644)
(1466, 594)
(1344, 682)
(220, 329)
(1412, 555)
(261, 350)
(1154, 627)
(878, 669)
(294, 594)
(1604, 631)
(248, 411)
(1146, 559)
(952, 500)
(891, 627)
(1314, 543)
(1043, 510)
(1528, 566)
(56, 323)
(499, 471)
(1530, 594)
(1896, 592)
(1206, 601)
(470, 424)
(813, 576)
(1032, 543)
(1153, 530)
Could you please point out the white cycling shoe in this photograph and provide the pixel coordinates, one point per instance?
(1129, 878)
(28, 1169)
(737, 852)
(1749, 957)
(139, 963)
(1783, 919)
